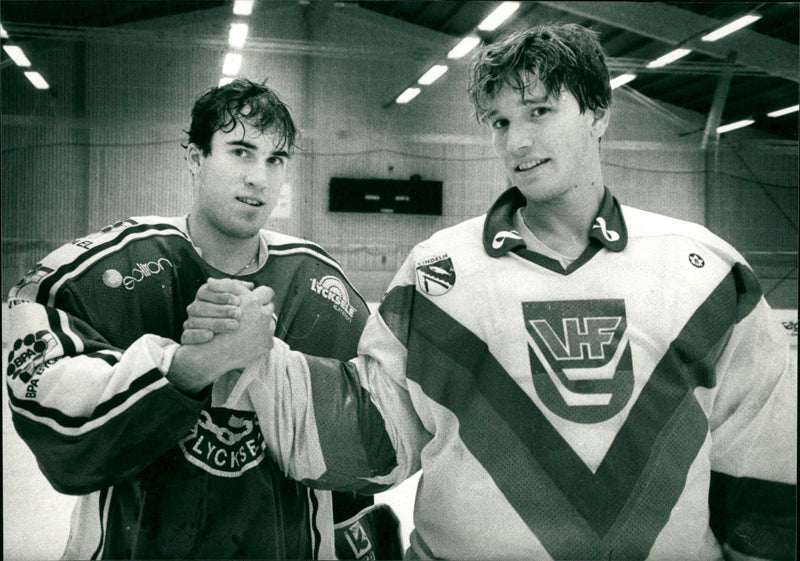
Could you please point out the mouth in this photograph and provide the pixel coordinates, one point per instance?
(250, 201)
(527, 166)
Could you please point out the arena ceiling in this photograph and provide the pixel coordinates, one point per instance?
(744, 75)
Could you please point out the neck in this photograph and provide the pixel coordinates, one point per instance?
(228, 254)
(564, 223)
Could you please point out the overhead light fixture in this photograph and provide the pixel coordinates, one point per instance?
(498, 16)
(464, 46)
(238, 35)
(243, 7)
(734, 126)
(733, 26)
(785, 111)
(36, 79)
(16, 55)
(231, 65)
(225, 80)
(407, 95)
(668, 58)
(434, 73)
(621, 80)
(3, 32)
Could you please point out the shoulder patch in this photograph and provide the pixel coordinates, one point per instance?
(436, 275)
(104, 234)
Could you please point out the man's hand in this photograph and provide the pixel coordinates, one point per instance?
(215, 310)
(196, 366)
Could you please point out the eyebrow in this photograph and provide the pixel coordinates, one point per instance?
(241, 143)
(525, 101)
(251, 146)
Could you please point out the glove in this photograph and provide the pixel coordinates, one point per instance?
(372, 534)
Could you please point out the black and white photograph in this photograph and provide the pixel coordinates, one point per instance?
(399, 280)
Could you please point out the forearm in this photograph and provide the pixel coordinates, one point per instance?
(93, 418)
(339, 425)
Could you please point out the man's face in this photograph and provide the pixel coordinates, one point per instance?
(238, 182)
(546, 145)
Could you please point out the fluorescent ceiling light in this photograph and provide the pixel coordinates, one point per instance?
(734, 126)
(786, 111)
(3, 32)
(621, 80)
(243, 7)
(497, 17)
(407, 95)
(17, 55)
(238, 35)
(36, 79)
(464, 46)
(231, 64)
(224, 80)
(669, 57)
(735, 25)
(433, 74)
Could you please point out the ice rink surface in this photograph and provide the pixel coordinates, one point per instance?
(36, 517)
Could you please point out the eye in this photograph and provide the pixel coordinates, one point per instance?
(499, 123)
(539, 111)
(276, 160)
(242, 153)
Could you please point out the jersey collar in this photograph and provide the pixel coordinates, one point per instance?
(500, 237)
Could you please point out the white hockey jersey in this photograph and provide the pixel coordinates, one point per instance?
(639, 404)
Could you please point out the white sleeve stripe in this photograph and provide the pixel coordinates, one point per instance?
(108, 352)
(92, 423)
(104, 524)
(67, 331)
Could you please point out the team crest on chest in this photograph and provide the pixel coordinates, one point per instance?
(224, 442)
(580, 357)
(436, 275)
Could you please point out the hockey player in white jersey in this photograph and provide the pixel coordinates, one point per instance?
(576, 379)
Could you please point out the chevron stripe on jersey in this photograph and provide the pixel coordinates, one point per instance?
(590, 514)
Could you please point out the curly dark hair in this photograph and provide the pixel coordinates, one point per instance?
(241, 100)
(559, 55)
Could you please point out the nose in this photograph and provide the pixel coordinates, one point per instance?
(256, 176)
(518, 139)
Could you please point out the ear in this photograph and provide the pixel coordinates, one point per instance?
(194, 158)
(600, 121)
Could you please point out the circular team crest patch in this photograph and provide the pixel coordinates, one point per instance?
(436, 275)
(224, 442)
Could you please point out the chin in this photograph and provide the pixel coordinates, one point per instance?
(244, 231)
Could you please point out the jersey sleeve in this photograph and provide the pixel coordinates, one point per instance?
(753, 430)
(93, 414)
(346, 425)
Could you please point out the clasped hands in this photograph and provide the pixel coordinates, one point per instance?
(230, 326)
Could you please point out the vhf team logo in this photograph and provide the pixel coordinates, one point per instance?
(580, 357)
(436, 275)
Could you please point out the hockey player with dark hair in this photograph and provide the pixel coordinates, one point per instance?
(577, 379)
(168, 460)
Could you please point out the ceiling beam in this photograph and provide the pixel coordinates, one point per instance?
(714, 118)
(675, 26)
